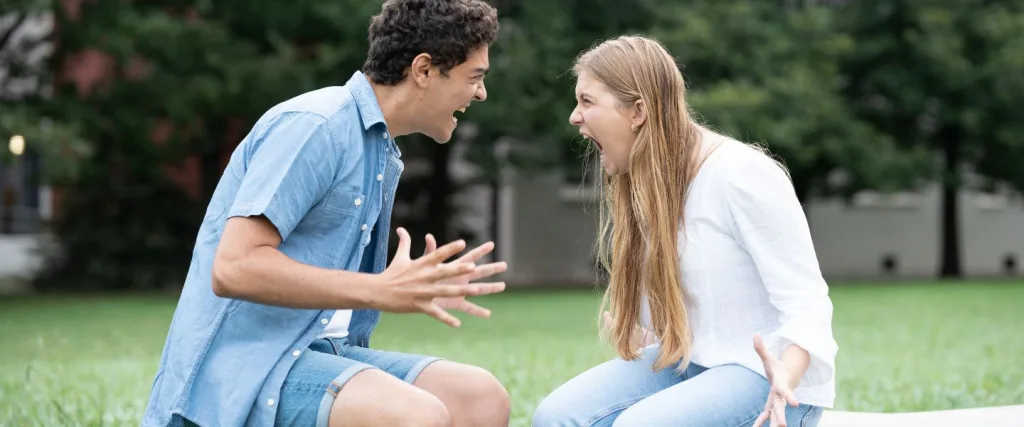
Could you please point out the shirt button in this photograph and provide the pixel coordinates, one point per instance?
(363, 227)
(323, 321)
(270, 402)
(380, 177)
(385, 135)
(296, 353)
(359, 202)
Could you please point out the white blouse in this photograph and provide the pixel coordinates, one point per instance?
(749, 265)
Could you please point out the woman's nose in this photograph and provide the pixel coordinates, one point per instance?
(575, 118)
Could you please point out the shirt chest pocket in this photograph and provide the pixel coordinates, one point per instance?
(341, 226)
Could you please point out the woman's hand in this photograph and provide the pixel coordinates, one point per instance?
(781, 392)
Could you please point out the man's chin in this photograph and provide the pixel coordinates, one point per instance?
(443, 136)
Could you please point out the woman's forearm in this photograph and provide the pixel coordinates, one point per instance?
(796, 360)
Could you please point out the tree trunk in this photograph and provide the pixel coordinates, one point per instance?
(496, 216)
(440, 188)
(211, 157)
(950, 257)
(803, 194)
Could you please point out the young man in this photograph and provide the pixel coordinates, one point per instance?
(289, 272)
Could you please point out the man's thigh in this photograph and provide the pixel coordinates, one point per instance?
(315, 381)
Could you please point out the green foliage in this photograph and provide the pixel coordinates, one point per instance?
(944, 78)
(868, 93)
(188, 79)
(771, 76)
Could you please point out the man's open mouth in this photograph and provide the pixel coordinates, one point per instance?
(459, 111)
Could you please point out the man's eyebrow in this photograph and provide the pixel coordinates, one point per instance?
(481, 70)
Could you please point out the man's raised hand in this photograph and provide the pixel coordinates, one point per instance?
(486, 270)
(410, 286)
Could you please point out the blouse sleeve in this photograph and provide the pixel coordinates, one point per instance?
(769, 223)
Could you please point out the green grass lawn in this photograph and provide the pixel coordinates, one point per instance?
(90, 361)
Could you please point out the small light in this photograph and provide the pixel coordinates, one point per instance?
(17, 145)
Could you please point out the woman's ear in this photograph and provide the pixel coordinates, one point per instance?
(639, 115)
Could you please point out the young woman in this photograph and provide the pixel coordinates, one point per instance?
(707, 246)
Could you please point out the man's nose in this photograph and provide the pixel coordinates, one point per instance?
(481, 92)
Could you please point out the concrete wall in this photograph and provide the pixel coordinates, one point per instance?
(548, 229)
(18, 262)
(549, 233)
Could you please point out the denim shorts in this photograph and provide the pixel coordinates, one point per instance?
(316, 378)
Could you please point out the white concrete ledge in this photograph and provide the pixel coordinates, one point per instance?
(998, 416)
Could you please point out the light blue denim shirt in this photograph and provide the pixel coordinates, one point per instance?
(324, 169)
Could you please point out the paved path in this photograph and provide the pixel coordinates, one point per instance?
(999, 416)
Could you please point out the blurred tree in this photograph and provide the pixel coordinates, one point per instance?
(945, 77)
(24, 84)
(768, 73)
(165, 90)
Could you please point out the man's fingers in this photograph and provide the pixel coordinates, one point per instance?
(477, 252)
(403, 244)
(439, 313)
(442, 253)
(475, 289)
(465, 307)
(488, 270)
(431, 244)
(448, 271)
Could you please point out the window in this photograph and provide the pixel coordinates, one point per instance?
(19, 193)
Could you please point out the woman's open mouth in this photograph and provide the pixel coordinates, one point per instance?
(598, 144)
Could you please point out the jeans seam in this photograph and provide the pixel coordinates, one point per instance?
(612, 409)
(334, 346)
(749, 420)
(803, 419)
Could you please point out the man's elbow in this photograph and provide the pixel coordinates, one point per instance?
(224, 278)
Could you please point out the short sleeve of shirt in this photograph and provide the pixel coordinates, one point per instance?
(289, 168)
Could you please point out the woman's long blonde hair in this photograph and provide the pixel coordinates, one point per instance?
(642, 210)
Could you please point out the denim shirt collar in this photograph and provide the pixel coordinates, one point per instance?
(369, 108)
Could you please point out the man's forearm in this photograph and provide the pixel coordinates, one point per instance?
(265, 275)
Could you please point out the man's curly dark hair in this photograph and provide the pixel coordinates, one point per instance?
(447, 30)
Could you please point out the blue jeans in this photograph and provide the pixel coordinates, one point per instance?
(316, 378)
(624, 394)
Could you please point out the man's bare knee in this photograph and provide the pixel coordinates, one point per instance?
(475, 398)
(367, 399)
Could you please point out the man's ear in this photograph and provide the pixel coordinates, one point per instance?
(420, 69)
(639, 114)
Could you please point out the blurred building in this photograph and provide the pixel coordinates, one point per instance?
(24, 201)
(546, 226)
